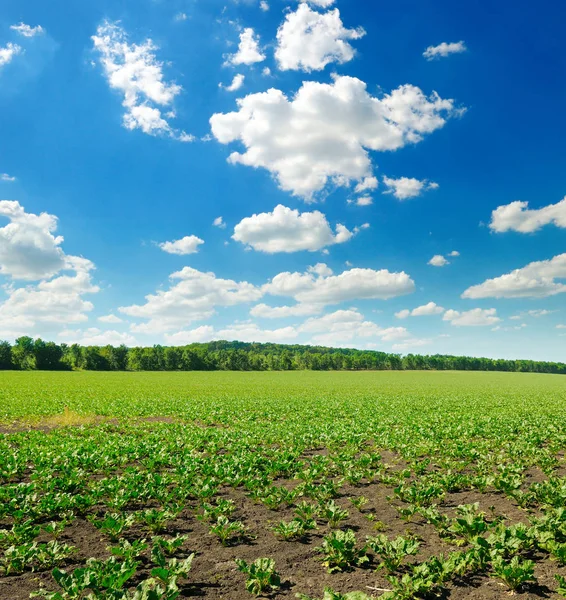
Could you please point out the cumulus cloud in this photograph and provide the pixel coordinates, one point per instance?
(536, 280)
(249, 51)
(438, 261)
(368, 183)
(236, 84)
(344, 327)
(362, 201)
(443, 50)
(354, 284)
(56, 302)
(426, 309)
(8, 52)
(242, 332)
(219, 222)
(27, 30)
(186, 245)
(477, 317)
(407, 187)
(287, 230)
(192, 296)
(113, 319)
(6, 177)
(517, 216)
(263, 311)
(28, 247)
(323, 134)
(134, 71)
(321, 3)
(308, 40)
(411, 344)
(264, 6)
(96, 337)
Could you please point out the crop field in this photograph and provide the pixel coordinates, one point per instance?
(392, 485)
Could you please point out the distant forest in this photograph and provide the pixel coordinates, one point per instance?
(29, 354)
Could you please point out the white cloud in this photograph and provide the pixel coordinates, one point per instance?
(454, 253)
(406, 187)
(443, 50)
(186, 245)
(28, 247)
(560, 326)
(536, 280)
(113, 319)
(236, 84)
(518, 217)
(287, 230)
(355, 284)
(135, 72)
(320, 269)
(181, 17)
(27, 30)
(96, 337)
(263, 311)
(308, 40)
(477, 317)
(6, 177)
(8, 52)
(411, 344)
(321, 3)
(204, 333)
(344, 327)
(425, 310)
(368, 183)
(264, 6)
(249, 51)
(192, 296)
(362, 201)
(242, 332)
(50, 303)
(438, 261)
(323, 134)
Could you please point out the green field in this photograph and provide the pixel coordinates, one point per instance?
(396, 484)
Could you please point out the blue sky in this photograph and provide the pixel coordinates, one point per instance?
(351, 149)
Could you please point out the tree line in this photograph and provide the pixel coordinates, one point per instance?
(30, 354)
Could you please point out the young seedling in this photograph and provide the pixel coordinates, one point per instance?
(261, 575)
(392, 552)
(515, 573)
(339, 551)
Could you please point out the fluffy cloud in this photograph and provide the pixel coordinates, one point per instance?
(6, 177)
(243, 332)
(8, 52)
(96, 337)
(321, 3)
(110, 319)
(518, 217)
(135, 72)
(323, 134)
(50, 303)
(192, 296)
(249, 51)
(28, 247)
(368, 183)
(219, 222)
(438, 261)
(236, 84)
(362, 201)
(536, 280)
(426, 309)
(355, 284)
(343, 327)
(27, 30)
(287, 230)
(406, 187)
(477, 317)
(187, 245)
(264, 6)
(263, 311)
(443, 50)
(308, 40)
(411, 344)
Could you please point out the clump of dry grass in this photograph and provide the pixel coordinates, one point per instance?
(69, 418)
